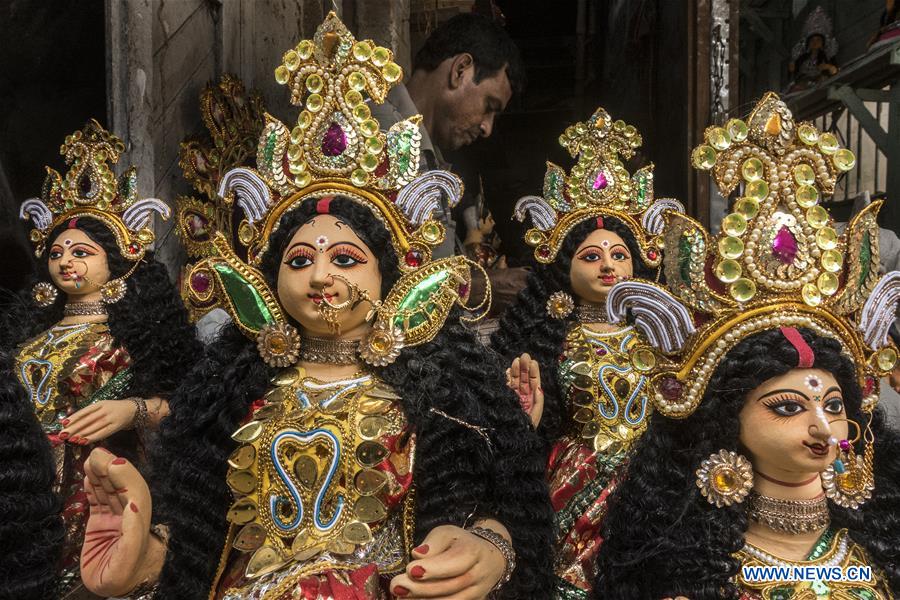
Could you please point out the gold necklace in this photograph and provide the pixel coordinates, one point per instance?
(329, 350)
(85, 309)
(592, 313)
(791, 516)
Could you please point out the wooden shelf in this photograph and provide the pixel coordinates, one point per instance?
(874, 70)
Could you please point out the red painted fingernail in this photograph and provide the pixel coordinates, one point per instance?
(417, 572)
(64, 435)
(423, 549)
(119, 461)
(133, 506)
(65, 422)
(399, 590)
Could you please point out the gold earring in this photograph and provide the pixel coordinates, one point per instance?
(382, 344)
(850, 480)
(44, 294)
(112, 291)
(725, 478)
(278, 345)
(560, 305)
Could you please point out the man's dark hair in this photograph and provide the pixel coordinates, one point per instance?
(488, 43)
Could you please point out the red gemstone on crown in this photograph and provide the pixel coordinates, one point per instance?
(870, 386)
(200, 282)
(544, 252)
(670, 388)
(382, 168)
(652, 254)
(414, 258)
(463, 289)
(334, 142)
(784, 246)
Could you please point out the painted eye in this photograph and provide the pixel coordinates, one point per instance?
(55, 255)
(298, 262)
(590, 257)
(77, 253)
(344, 260)
(618, 255)
(834, 406)
(787, 408)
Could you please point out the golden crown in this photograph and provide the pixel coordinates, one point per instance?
(90, 189)
(336, 148)
(598, 185)
(778, 261)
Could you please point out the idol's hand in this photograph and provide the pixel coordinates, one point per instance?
(98, 421)
(524, 378)
(119, 553)
(451, 564)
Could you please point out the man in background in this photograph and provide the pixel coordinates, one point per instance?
(462, 78)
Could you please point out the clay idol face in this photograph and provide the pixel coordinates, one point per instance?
(786, 424)
(321, 252)
(78, 265)
(600, 262)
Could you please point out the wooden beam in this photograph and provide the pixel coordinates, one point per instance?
(873, 95)
(859, 111)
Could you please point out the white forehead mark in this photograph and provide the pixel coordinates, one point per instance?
(321, 243)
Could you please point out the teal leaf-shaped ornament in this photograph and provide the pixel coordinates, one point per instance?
(555, 188)
(642, 184)
(128, 188)
(402, 142)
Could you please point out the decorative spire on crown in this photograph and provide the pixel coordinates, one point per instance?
(90, 189)
(778, 262)
(597, 185)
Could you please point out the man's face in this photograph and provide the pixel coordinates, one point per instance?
(468, 109)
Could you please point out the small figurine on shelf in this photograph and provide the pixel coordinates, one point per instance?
(888, 26)
(812, 58)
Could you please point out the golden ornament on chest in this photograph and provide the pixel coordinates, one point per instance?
(307, 472)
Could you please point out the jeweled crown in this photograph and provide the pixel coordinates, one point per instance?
(337, 147)
(90, 189)
(598, 184)
(778, 261)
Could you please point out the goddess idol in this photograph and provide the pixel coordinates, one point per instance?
(767, 447)
(99, 347)
(346, 436)
(579, 375)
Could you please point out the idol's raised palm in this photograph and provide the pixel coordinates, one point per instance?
(118, 553)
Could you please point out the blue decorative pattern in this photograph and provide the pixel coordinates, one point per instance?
(305, 438)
